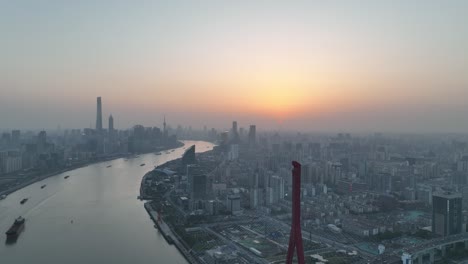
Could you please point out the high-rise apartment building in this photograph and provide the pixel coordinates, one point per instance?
(447, 215)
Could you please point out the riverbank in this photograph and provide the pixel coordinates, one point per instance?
(171, 165)
(169, 231)
(77, 166)
(168, 234)
(102, 203)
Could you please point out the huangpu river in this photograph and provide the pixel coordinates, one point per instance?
(91, 217)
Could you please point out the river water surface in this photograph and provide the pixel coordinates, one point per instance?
(91, 217)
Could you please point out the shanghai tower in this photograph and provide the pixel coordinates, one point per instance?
(99, 115)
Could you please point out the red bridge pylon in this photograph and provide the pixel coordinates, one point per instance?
(295, 238)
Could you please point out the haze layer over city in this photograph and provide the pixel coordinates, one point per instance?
(311, 65)
(234, 132)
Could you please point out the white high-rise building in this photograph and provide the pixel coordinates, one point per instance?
(277, 185)
(233, 153)
(253, 198)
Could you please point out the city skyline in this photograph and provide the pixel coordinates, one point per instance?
(313, 66)
(248, 131)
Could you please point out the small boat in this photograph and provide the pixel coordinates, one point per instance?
(172, 150)
(109, 166)
(158, 153)
(142, 164)
(24, 200)
(43, 186)
(3, 197)
(16, 228)
(66, 177)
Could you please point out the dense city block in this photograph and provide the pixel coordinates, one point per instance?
(375, 198)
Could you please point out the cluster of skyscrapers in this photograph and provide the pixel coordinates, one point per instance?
(24, 155)
(354, 189)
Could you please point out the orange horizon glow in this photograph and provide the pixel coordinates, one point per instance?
(279, 94)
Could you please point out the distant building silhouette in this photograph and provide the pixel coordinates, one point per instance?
(233, 152)
(234, 127)
(6, 139)
(42, 141)
(99, 115)
(235, 133)
(15, 137)
(447, 215)
(252, 135)
(164, 129)
(189, 156)
(224, 138)
(111, 124)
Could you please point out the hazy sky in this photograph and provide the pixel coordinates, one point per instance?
(314, 65)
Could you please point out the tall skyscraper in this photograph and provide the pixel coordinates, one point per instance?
(253, 198)
(235, 133)
(254, 190)
(99, 115)
(197, 181)
(277, 185)
(447, 213)
(234, 127)
(111, 124)
(254, 180)
(252, 135)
